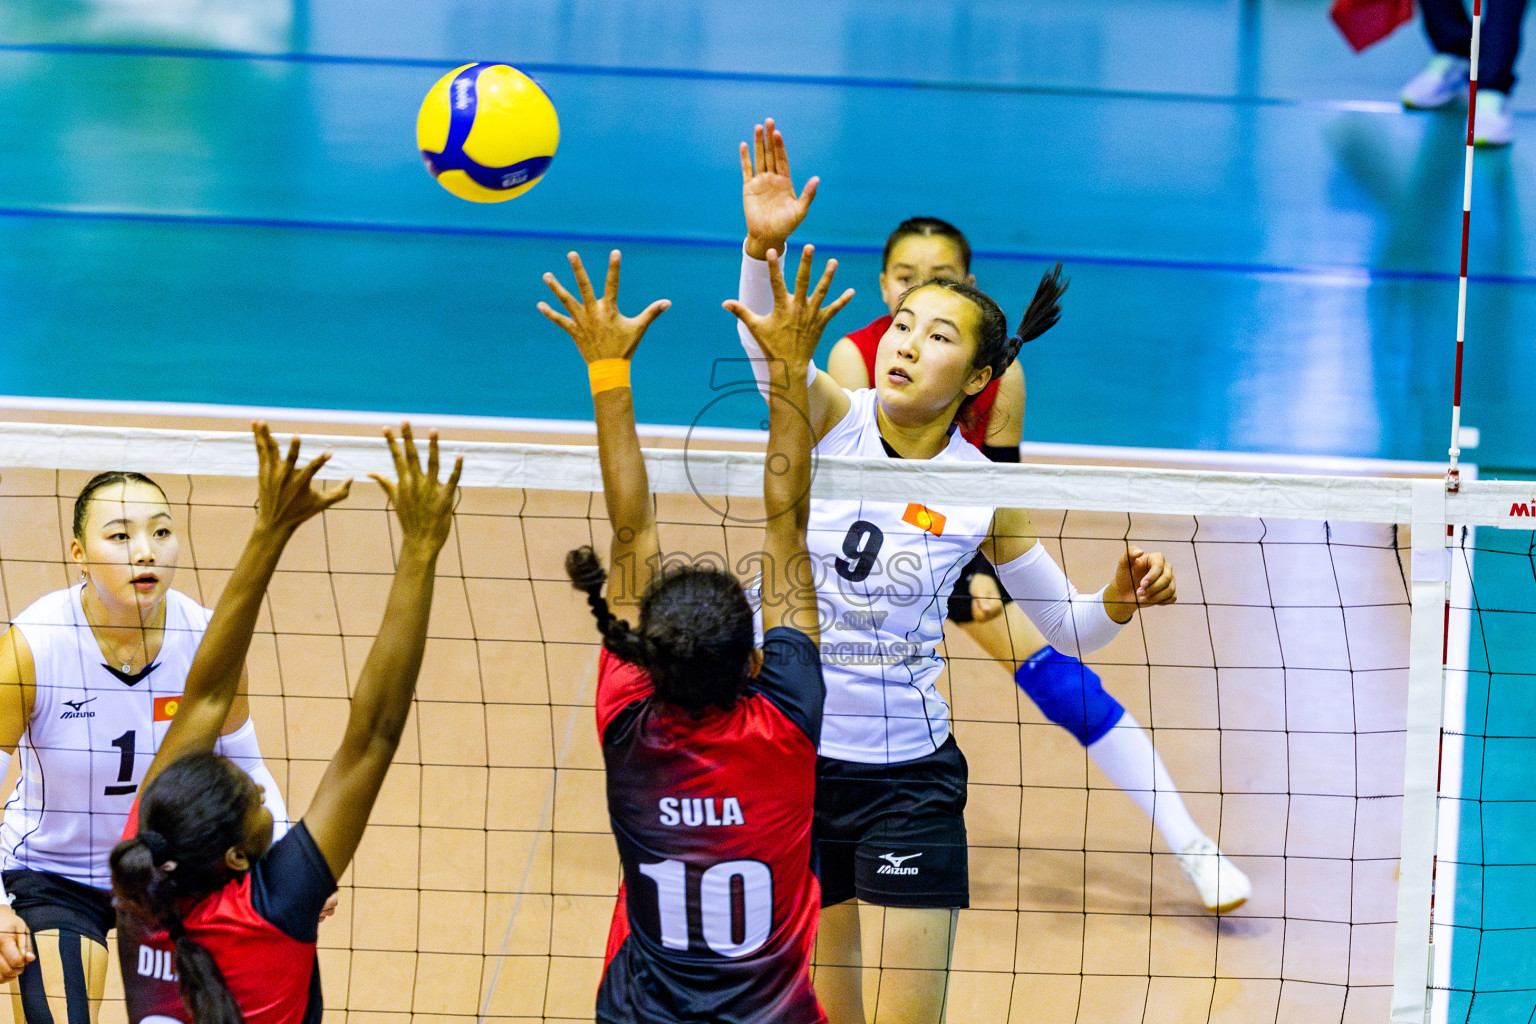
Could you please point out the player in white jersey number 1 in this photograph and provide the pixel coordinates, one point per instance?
(891, 780)
(90, 678)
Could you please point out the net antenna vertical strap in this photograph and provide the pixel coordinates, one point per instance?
(1413, 961)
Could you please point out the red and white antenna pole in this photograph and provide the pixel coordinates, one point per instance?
(1453, 474)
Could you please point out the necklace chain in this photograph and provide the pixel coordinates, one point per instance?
(123, 655)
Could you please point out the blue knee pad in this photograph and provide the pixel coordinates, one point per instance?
(1070, 694)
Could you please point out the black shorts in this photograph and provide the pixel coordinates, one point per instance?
(48, 902)
(960, 597)
(893, 834)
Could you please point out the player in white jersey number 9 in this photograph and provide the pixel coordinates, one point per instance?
(891, 780)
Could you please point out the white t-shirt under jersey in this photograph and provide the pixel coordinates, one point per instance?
(886, 571)
(90, 738)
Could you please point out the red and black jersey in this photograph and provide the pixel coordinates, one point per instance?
(978, 416)
(712, 815)
(261, 929)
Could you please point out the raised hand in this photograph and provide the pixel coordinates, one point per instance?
(423, 506)
(1141, 579)
(595, 324)
(768, 198)
(286, 496)
(791, 331)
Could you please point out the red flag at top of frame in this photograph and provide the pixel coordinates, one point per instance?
(1367, 22)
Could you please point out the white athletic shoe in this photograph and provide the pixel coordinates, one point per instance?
(1442, 80)
(1494, 124)
(1221, 885)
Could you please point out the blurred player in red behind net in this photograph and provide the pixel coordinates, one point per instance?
(709, 741)
(1065, 690)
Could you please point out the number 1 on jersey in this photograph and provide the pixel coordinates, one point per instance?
(125, 744)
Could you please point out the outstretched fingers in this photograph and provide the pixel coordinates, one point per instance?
(611, 282)
(774, 159)
(836, 305)
(422, 504)
(803, 272)
(807, 194)
(776, 280)
(741, 313)
(293, 456)
(760, 148)
(583, 282)
(649, 314)
(566, 298)
(287, 495)
(818, 295)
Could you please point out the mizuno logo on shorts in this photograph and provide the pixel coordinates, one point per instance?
(894, 862)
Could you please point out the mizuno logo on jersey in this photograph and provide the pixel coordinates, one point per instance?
(894, 864)
(694, 811)
(74, 709)
(924, 518)
(157, 963)
(861, 621)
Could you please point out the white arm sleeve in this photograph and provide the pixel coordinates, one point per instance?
(1073, 623)
(241, 747)
(756, 293)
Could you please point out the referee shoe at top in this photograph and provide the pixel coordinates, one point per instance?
(1443, 79)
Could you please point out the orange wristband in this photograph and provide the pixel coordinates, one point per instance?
(607, 374)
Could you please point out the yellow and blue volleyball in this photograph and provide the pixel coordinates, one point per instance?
(487, 132)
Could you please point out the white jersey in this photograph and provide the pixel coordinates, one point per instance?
(885, 573)
(91, 736)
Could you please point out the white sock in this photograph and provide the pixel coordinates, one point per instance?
(1125, 754)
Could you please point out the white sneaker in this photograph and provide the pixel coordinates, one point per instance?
(1494, 124)
(1442, 80)
(1221, 885)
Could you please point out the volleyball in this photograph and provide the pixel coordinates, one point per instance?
(487, 132)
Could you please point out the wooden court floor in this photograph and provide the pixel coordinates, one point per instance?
(1274, 691)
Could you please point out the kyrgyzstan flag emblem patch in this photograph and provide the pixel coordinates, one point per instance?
(165, 707)
(924, 518)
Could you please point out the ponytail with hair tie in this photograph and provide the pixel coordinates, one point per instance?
(155, 843)
(1043, 311)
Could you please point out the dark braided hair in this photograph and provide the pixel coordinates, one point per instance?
(995, 347)
(189, 816)
(927, 227)
(695, 636)
(96, 483)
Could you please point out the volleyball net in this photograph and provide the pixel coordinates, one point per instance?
(1294, 692)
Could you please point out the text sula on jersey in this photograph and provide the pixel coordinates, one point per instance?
(694, 811)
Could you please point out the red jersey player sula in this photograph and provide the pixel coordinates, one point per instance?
(709, 742)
